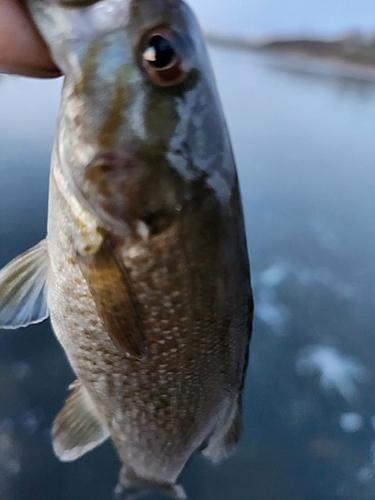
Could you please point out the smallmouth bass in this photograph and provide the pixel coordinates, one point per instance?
(144, 271)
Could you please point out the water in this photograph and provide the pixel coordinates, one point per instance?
(305, 151)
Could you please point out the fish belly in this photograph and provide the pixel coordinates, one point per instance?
(159, 410)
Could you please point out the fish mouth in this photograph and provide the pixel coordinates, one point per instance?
(77, 3)
(130, 195)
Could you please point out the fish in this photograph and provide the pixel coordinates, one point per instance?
(144, 272)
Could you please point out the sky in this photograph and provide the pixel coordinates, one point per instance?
(261, 18)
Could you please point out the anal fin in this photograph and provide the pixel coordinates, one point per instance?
(77, 429)
(22, 288)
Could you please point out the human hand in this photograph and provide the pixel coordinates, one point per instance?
(22, 50)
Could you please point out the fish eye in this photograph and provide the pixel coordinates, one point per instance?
(160, 53)
(162, 59)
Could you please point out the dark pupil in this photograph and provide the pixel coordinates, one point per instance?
(164, 52)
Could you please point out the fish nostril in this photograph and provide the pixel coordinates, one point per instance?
(158, 221)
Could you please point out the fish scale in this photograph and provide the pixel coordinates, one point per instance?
(142, 390)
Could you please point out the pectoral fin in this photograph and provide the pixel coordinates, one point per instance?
(77, 429)
(109, 285)
(22, 288)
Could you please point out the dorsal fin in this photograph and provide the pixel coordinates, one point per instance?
(109, 284)
(22, 288)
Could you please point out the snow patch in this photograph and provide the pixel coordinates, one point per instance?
(31, 420)
(12, 467)
(365, 474)
(325, 234)
(273, 314)
(323, 276)
(274, 274)
(351, 422)
(268, 309)
(337, 372)
(21, 370)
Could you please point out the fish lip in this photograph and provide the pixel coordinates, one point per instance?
(113, 158)
(75, 3)
(115, 182)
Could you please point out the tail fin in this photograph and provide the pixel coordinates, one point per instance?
(130, 487)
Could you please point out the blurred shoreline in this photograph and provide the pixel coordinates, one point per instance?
(351, 56)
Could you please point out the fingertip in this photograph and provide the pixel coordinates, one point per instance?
(22, 49)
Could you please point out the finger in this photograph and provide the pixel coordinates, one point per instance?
(22, 50)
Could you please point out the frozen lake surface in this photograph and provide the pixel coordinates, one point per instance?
(305, 151)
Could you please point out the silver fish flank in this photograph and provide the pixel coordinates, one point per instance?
(144, 271)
